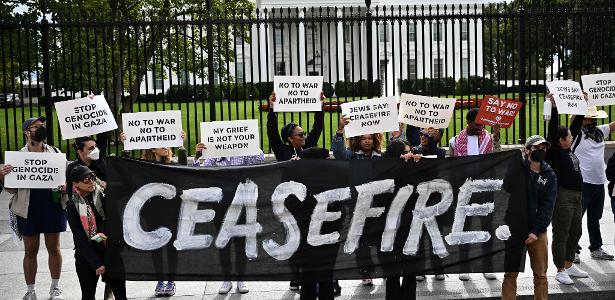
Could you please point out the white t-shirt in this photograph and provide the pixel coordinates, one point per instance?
(591, 157)
(473, 146)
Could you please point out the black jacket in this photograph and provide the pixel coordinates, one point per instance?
(90, 251)
(541, 194)
(284, 151)
(610, 173)
(564, 162)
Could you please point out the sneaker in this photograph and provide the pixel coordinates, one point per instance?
(56, 294)
(440, 277)
(225, 287)
(464, 277)
(563, 278)
(367, 282)
(294, 285)
(576, 260)
(159, 291)
(573, 271)
(601, 254)
(241, 287)
(420, 277)
(30, 296)
(169, 289)
(490, 276)
(337, 289)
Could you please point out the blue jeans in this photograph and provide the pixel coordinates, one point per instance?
(593, 203)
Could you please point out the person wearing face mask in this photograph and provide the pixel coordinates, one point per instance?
(37, 211)
(89, 155)
(541, 187)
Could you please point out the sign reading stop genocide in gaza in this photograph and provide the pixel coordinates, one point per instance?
(84, 117)
(600, 89)
(498, 112)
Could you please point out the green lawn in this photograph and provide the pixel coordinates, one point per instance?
(195, 112)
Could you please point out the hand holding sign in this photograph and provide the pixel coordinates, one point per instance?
(148, 130)
(34, 170)
(568, 96)
(230, 138)
(297, 93)
(84, 117)
(498, 112)
(370, 116)
(424, 112)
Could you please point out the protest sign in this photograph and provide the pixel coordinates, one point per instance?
(568, 97)
(35, 170)
(297, 93)
(370, 116)
(230, 138)
(313, 219)
(495, 111)
(148, 130)
(84, 116)
(600, 89)
(425, 112)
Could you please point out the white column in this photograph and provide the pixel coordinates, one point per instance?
(301, 36)
(341, 46)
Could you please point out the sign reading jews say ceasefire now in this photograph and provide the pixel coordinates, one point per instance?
(495, 111)
(600, 89)
(85, 116)
(568, 97)
(297, 93)
(148, 130)
(230, 138)
(370, 116)
(35, 170)
(425, 112)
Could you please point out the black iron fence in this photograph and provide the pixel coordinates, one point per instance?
(219, 64)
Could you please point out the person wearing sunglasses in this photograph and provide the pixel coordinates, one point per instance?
(429, 145)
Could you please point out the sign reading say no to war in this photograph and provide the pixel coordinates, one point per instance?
(568, 97)
(424, 112)
(230, 138)
(370, 116)
(297, 93)
(35, 170)
(600, 88)
(148, 130)
(85, 116)
(495, 111)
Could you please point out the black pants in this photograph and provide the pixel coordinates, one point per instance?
(405, 291)
(88, 281)
(323, 290)
(593, 203)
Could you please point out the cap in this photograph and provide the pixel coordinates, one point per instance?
(535, 140)
(594, 113)
(29, 122)
(79, 172)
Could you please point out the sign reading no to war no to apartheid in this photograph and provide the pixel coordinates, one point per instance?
(148, 130)
(495, 111)
(230, 138)
(568, 96)
(425, 112)
(297, 93)
(600, 89)
(370, 116)
(84, 116)
(35, 170)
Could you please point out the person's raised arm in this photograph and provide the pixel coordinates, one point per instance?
(553, 123)
(319, 125)
(273, 133)
(337, 144)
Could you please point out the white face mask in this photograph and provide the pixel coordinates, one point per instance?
(94, 154)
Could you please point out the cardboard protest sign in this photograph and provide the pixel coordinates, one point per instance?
(370, 116)
(297, 93)
(600, 88)
(84, 116)
(425, 112)
(148, 130)
(35, 170)
(568, 97)
(230, 138)
(495, 111)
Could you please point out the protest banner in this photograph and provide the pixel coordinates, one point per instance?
(425, 112)
(370, 116)
(230, 138)
(146, 130)
(35, 170)
(568, 97)
(495, 111)
(297, 93)
(600, 89)
(84, 117)
(313, 219)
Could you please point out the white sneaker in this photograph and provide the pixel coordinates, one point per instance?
(464, 277)
(30, 296)
(574, 271)
(490, 276)
(225, 287)
(420, 277)
(241, 287)
(56, 294)
(440, 277)
(563, 278)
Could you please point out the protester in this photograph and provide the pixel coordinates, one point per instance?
(475, 140)
(37, 211)
(86, 218)
(568, 213)
(541, 185)
(429, 145)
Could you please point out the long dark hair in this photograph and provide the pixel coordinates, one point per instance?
(562, 133)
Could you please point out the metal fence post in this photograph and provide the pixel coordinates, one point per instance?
(368, 42)
(210, 64)
(522, 77)
(46, 71)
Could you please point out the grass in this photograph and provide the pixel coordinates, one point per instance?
(195, 112)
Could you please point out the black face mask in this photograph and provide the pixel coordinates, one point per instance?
(40, 134)
(538, 155)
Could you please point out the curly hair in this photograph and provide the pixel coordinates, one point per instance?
(149, 154)
(354, 143)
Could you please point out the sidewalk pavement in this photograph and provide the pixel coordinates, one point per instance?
(599, 285)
